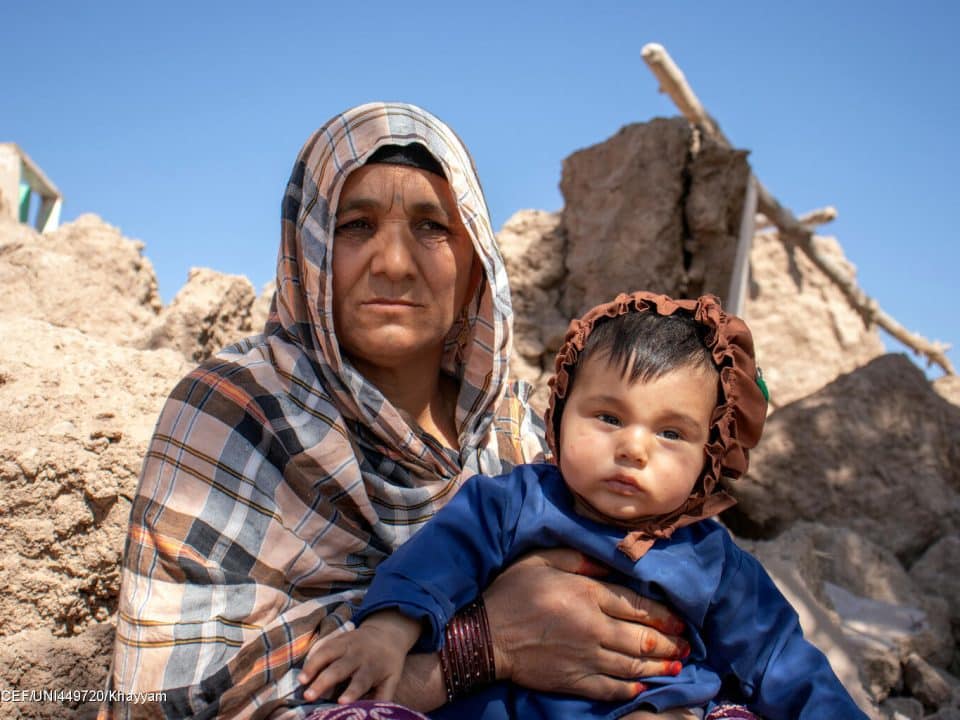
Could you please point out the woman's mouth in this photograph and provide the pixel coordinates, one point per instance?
(390, 302)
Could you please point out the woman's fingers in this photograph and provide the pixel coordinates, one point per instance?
(555, 629)
(651, 652)
(638, 650)
(627, 667)
(623, 603)
(604, 687)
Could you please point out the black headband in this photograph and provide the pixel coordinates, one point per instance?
(412, 155)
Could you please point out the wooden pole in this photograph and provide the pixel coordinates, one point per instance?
(741, 262)
(792, 231)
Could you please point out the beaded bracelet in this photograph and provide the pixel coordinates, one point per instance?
(466, 657)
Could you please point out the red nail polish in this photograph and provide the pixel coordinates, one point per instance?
(684, 649)
(675, 667)
(638, 688)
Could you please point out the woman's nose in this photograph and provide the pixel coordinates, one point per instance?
(392, 257)
(633, 445)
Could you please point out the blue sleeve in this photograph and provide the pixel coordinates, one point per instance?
(449, 561)
(753, 637)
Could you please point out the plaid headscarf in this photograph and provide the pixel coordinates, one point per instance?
(278, 477)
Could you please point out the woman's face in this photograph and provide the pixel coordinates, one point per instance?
(403, 265)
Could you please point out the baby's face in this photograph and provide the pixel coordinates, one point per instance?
(635, 449)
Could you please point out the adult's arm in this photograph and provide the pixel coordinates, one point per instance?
(571, 633)
(421, 685)
(555, 628)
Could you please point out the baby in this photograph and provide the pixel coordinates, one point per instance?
(654, 401)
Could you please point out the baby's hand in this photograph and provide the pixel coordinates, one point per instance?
(371, 656)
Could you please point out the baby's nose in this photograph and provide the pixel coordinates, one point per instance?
(634, 444)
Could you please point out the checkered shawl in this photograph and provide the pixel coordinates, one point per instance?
(278, 478)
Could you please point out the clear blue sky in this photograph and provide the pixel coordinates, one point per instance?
(179, 122)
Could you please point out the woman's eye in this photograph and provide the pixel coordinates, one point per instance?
(432, 226)
(431, 234)
(608, 419)
(358, 225)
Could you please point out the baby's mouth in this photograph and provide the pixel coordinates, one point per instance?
(623, 485)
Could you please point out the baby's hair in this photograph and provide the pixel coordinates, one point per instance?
(645, 346)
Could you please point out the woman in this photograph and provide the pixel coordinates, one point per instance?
(283, 470)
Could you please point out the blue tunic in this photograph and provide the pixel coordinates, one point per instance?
(743, 634)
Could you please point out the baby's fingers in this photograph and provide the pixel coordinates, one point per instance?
(360, 685)
(329, 678)
(323, 652)
(387, 689)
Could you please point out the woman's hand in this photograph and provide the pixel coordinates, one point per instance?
(556, 629)
(675, 714)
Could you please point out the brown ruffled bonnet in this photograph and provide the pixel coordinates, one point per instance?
(737, 421)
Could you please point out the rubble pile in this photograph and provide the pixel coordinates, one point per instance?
(852, 500)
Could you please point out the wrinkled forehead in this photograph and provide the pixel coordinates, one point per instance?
(349, 140)
(384, 187)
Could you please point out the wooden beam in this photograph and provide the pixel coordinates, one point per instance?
(792, 230)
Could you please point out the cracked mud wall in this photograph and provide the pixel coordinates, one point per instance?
(655, 207)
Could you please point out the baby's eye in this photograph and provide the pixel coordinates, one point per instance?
(671, 435)
(608, 419)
